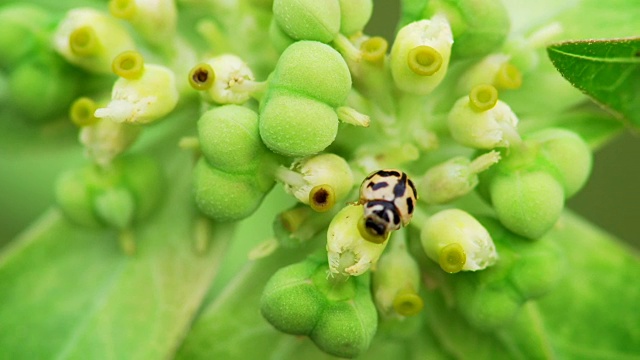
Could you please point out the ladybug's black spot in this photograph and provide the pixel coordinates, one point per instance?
(410, 205)
(401, 186)
(413, 187)
(386, 173)
(396, 216)
(380, 185)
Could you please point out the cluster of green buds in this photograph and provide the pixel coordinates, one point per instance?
(346, 124)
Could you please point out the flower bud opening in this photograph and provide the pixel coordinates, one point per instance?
(202, 77)
(368, 235)
(424, 60)
(83, 41)
(123, 9)
(452, 258)
(483, 97)
(374, 49)
(508, 77)
(407, 303)
(82, 112)
(129, 65)
(322, 198)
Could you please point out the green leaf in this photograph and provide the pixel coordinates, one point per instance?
(606, 70)
(591, 313)
(70, 293)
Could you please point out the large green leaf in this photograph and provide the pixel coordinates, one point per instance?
(70, 293)
(606, 70)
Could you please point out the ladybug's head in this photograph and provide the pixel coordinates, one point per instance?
(380, 218)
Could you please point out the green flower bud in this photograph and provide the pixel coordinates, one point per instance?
(308, 19)
(482, 121)
(106, 139)
(323, 169)
(291, 302)
(492, 306)
(539, 268)
(280, 40)
(495, 70)
(233, 81)
(42, 87)
(297, 126)
(347, 328)
(420, 55)
(314, 70)
(75, 197)
(155, 20)
(479, 26)
(349, 252)
(568, 155)
(115, 206)
(527, 203)
(230, 139)
(396, 281)
(141, 99)
(455, 178)
(91, 40)
(354, 15)
(22, 27)
(457, 241)
(337, 314)
(225, 197)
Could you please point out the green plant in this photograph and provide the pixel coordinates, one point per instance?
(202, 161)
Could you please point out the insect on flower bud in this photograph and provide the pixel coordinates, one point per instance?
(348, 251)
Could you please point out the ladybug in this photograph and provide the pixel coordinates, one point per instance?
(389, 198)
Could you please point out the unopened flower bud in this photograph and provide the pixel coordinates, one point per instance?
(457, 241)
(348, 251)
(396, 281)
(320, 170)
(225, 79)
(455, 178)
(145, 92)
(155, 20)
(420, 55)
(482, 121)
(91, 40)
